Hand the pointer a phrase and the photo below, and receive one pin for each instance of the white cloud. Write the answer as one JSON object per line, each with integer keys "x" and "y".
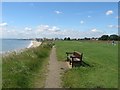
{"x": 77, "y": 34}
{"x": 110, "y": 26}
{"x": 49, "y": 32}
{"x": 94, "y": 30}
{"x": 58, "y": 12}
{"x": 47, "y": 29}
{"x": 113, "y": 26}
{"x": 109, "y": 12}
{"x": 81, "y": 22}
{"x": 3, "y": 24}
{"x": 42, "y": 28}
{"x": 28, "y": 29}
{"x": 2, "y": 28}
{"x": 95, "y": 33}
{"x": 9, "y": 33}
{"x": 54, "y": 29}
{"x": 89, "y": 16}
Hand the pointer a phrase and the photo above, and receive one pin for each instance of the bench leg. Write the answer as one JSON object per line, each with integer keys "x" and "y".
{"x": 67, "y": 59}
{"x": 70, "y": 62}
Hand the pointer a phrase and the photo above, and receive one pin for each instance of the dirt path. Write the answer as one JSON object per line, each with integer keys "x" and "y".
{"x": 53, "y": 77}
{"x": 55, "y": 70}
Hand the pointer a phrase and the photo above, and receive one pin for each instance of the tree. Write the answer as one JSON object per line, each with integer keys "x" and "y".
{"x": 65, "y": 38}
{"x": 104, "y": 37}
{"x": 68, "y": 38}
{"x": 114, "y": 37}
{"x": 86, "y": 38}
{"x": 119, "y": 37}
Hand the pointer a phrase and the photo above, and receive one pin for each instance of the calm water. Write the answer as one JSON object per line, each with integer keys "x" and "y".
{"x": 11, "y": 45}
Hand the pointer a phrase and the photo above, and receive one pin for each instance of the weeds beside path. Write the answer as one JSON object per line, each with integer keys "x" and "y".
{"x": 21, "y": 70}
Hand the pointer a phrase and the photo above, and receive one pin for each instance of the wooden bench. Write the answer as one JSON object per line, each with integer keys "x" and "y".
{"x": 74, "y": 58}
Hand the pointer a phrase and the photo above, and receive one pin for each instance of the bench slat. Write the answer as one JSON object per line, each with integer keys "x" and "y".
{"x": 74, "y": 57}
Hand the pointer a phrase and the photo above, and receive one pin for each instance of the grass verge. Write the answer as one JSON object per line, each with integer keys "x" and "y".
{"x": 20, "y": 70}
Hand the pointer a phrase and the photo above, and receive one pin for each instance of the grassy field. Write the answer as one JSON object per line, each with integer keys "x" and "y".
{"x": 21, "y": 70}
{"x": 102, "y": 58}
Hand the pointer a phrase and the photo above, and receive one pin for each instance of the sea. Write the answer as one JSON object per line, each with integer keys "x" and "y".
{"x": 8, "y": 45}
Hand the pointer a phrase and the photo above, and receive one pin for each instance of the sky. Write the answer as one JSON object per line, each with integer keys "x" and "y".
{"x": 58, "y": 19}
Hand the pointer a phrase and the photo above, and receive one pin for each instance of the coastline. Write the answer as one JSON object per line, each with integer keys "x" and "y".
{"x": 32, "y": 44}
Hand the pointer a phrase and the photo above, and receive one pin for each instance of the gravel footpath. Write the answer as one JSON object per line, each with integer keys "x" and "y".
{"x": 53, "y": 76}
{"x": 55, "y": 70}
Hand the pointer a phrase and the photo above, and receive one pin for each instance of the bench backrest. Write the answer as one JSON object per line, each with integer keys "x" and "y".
{"x": 77, "y": 54}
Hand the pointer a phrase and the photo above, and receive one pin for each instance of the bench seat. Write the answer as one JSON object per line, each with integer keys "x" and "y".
{"x": 74, "y": 57}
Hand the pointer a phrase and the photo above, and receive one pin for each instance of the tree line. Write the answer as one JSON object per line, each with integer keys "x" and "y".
{"x": 111, "y": 37}
{"x": 103, "y": 37}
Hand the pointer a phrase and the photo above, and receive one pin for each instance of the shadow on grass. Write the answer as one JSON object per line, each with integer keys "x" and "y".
{"x": 84, "y": 64}
{"x": 80, "y": 64}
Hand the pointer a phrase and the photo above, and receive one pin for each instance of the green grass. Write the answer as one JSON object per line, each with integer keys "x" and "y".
{"x": 102, "y": 58}
{"x": 19, "y": 71}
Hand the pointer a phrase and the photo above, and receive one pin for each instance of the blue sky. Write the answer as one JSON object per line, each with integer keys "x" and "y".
{"x": 60, "y": 19}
